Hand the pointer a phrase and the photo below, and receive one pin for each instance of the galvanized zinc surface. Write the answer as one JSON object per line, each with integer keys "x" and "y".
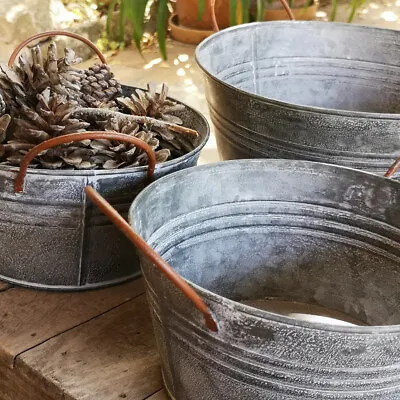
{"x": 53, "y": 238}
{"x": 292, "y": 230}
{"x": 305, "y": 90}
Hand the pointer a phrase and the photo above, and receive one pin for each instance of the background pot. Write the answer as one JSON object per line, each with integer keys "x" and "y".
{"x": 188, "y": 14}
{"x": 275, "y": 11}
{"x": 306, "y": 90}
{"x": 187, "y": 35}
{"x": 291, "y": 230}
{"x": 53, "y": 238}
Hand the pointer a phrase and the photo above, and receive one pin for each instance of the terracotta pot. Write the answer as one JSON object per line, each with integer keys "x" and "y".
{"x": 275, "y": 11}
{"x": 188, "y": 12}
{"x": 187, "y": 35}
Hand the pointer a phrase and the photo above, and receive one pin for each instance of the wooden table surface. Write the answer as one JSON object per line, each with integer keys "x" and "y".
{"x": 95, "y": 345}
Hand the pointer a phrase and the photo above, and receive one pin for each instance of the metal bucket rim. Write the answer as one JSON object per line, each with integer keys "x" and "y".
{"x": 246, "y": 309}
{"x": 285, "y": 104}
{"x": 267, "y": 315}
{"x": 124, "y": 171}
{"x": 288, "y": 164}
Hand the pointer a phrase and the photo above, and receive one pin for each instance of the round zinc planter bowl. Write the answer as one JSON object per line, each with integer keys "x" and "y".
{"x": 281, "y": 230}
{"x": 305, "y": 90}
{"x": 51, "y": 238}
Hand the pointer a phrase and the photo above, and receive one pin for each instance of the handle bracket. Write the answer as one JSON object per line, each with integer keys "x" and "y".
{"x": 77, "y": 137}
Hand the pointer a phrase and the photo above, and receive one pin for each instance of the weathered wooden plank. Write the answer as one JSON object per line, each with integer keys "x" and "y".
{"x": 28, "y": 317}
{"x": 161, "y": 395}
{"x": 16, "y": 386}
{"x": 4, "y": 286}
{"x": 111, "y": 357}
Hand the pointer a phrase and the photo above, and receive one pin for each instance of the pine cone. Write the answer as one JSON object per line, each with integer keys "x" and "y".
{"x": 50, "y": 118}
{"x": 12, "y": 88}
{"x": 22, "y": 83}
{"x": 5, "y": 120}
{"x": 126, "y": 155}
{"x": 95, "y": 87}
{"x": 157, "y": 105}
{"x": 99, "y": 87}
{"x": 41, "y": 96}
{"x": 3, "y": 105}
{"x": 107, "y": 154}
{"x": 153, "y": 104}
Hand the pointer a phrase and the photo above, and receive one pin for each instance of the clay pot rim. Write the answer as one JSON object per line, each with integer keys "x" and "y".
{"x": 285, "y": 104}
{"x": 174, "y": 22}
{"x": 122, "y": 171}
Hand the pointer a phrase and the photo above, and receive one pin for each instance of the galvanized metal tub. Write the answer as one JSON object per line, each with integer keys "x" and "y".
{"x": 305, "y": 90}
{"x": 291, "y": 230}
{"x": 51, "y": 238}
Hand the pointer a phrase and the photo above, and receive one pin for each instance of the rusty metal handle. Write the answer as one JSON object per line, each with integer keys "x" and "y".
{"x": 55, "y": 33}
{"x": 213, "y": 16}
{"x": 77, "y": 137}
{"x": 288, "y": 10}
{"x": 393, "y": 169}
{"x": 152, "y": 256}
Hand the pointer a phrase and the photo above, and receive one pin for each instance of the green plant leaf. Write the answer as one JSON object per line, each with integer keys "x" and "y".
{"x": 354, "y": 6}
{"x": 246, "y": 11}
{"x": 110, "y": 13}
{"x": 202, "y": 7}
{"x": 307, "y": 4}
{"x": 162, "y": 16}
{"x": 334, "y": 10}
{"x": 136, "y": 10}
{"x": 232, "y": 12}
{"x": 121, "y": 23}
{"x": 260, "y": 10}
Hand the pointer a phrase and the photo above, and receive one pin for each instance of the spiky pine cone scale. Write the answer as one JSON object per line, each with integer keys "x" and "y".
{"x": 99, "y": 87}
{"x": 153, "y": 104}
{"x": 126, "y": 155}
{"x": 50, "y": 118}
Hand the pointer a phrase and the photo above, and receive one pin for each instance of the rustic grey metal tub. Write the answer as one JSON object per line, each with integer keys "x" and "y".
{"x": 52, "y": 239}
{"x": 289, "y": 230}
{"x": 305, "y": 90}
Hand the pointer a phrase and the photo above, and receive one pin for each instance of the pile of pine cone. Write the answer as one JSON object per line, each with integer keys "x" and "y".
{"x": 47, "y": 97}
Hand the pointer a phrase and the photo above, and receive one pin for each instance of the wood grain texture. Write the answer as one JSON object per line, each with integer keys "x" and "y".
{"x": 17, "y": 386}
{"x": 111, "y": 357}
{"x": 28, "y": 317}
{"x": 4, "y": 286}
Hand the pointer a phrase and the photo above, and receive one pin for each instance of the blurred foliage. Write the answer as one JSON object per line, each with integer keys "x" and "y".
{"x": 137, "y": 20}
{"x": 83, "y": 10}
{"x": 142, "y": 20}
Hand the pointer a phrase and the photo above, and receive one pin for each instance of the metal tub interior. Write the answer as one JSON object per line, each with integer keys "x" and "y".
{"x": 291, "y": 230}
{"x": 305, "y": 90}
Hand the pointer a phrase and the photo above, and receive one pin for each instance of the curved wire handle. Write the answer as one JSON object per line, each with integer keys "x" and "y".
{"x": 288, "y": 10}
{"x": 214, "y": 17}
{"x": 55, "y": 33}
{"x": 152, "y": 256}
{"x": 393, "y": 169}
{"x": 77, "y": 137}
